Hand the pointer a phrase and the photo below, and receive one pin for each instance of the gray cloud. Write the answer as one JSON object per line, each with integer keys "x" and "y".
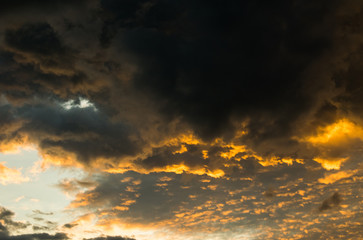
{"x": 38, "y": 212}
{"x": 68, "y": 225}
{"x": 331, "y": 202}
{"x": 10, "y": 226}
{"x": 110, "y": 238}
{"x": 37, "y": 236}
{"x": 84, "y": 132}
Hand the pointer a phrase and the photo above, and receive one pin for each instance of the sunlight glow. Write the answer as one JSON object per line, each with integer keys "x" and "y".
{"x": 81, "y": 103}
{"x": 336, "y": 132}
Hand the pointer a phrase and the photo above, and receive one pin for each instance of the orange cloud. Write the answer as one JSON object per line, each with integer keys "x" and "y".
{"x": 13, "y": 145}
{"x": 175, "y": 168}
{"x": 338, "y": 132}
{"x": 82, "y": 199}
{"x": 334, "y": 142}
{"x": 332, "y": 178}
{"x": 10, "y": 175}
{"x": 330, "y": 163}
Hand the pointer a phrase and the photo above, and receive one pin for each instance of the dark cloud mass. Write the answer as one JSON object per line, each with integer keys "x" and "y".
{"x": 35, "y": 38}
{"x": 206, "y": 64}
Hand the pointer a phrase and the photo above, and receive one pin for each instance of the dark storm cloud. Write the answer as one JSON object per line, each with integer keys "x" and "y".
{"x": 156, "y": 69}
{"x": 91, "y": 135}
{"x": 38, "y": 44}
{"x": 9, "y": 7}
{"x": 35, "y": 38}
{"x": 21, "y": 83}
{"x": 37, "y": 67}
{"x": 282, "y": 68}
{"x": 82, "y": 131}
{"x": 234, "y": 57}
{"x": 351, "y": 81}
{"x": 37, "y": 63}
{"x": 213, "y": 64}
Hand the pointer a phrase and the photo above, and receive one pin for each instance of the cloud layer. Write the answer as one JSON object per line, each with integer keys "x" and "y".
{"x": 246, "y": 92}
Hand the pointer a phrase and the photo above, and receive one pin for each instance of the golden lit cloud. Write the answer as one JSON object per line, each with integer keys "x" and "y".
{"x": 335, "y": 143}
{"x": 58, "y": 157}
{"x": 12, "y": 145}
{"x": 10, "y": 175}
{"x": 333, "y": 177}
{"x": 274, "y": 160}
{"x": 336, "y": 133}
{"x": 82, "y": 199}
{"x": 331, "y": 163}
{"x": 181, "y": 168}
{"x": 233, "y": 150}
{"x": 174, "y": 168}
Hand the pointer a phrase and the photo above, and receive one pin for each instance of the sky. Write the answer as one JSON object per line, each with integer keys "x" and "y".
{"x": 181, "y": 120}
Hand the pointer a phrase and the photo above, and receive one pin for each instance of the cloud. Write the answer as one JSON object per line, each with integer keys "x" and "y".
{"x": 42, "y": 5}
{"x": 269, "y": 193}
{"x": 75, "y": 186}
{"x": 39, "y": 45}
{"x": 11, "y": 176}
{"x": 37, "y": 236}
{"x": 221, "y": 99}
{"x": 74, "y": 131}
{"x": 331, "y": 202}
{"x": 19, "y": 198}
{"x": 8, "y": 225}
{"x": 38, "y": 212}
{"x": 331, "y": 178}
{"x": 189, "y": 205}
{"x": 68, "y": 225}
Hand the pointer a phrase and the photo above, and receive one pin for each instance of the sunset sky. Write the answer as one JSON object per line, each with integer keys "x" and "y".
{"x": 181, "y": 120}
